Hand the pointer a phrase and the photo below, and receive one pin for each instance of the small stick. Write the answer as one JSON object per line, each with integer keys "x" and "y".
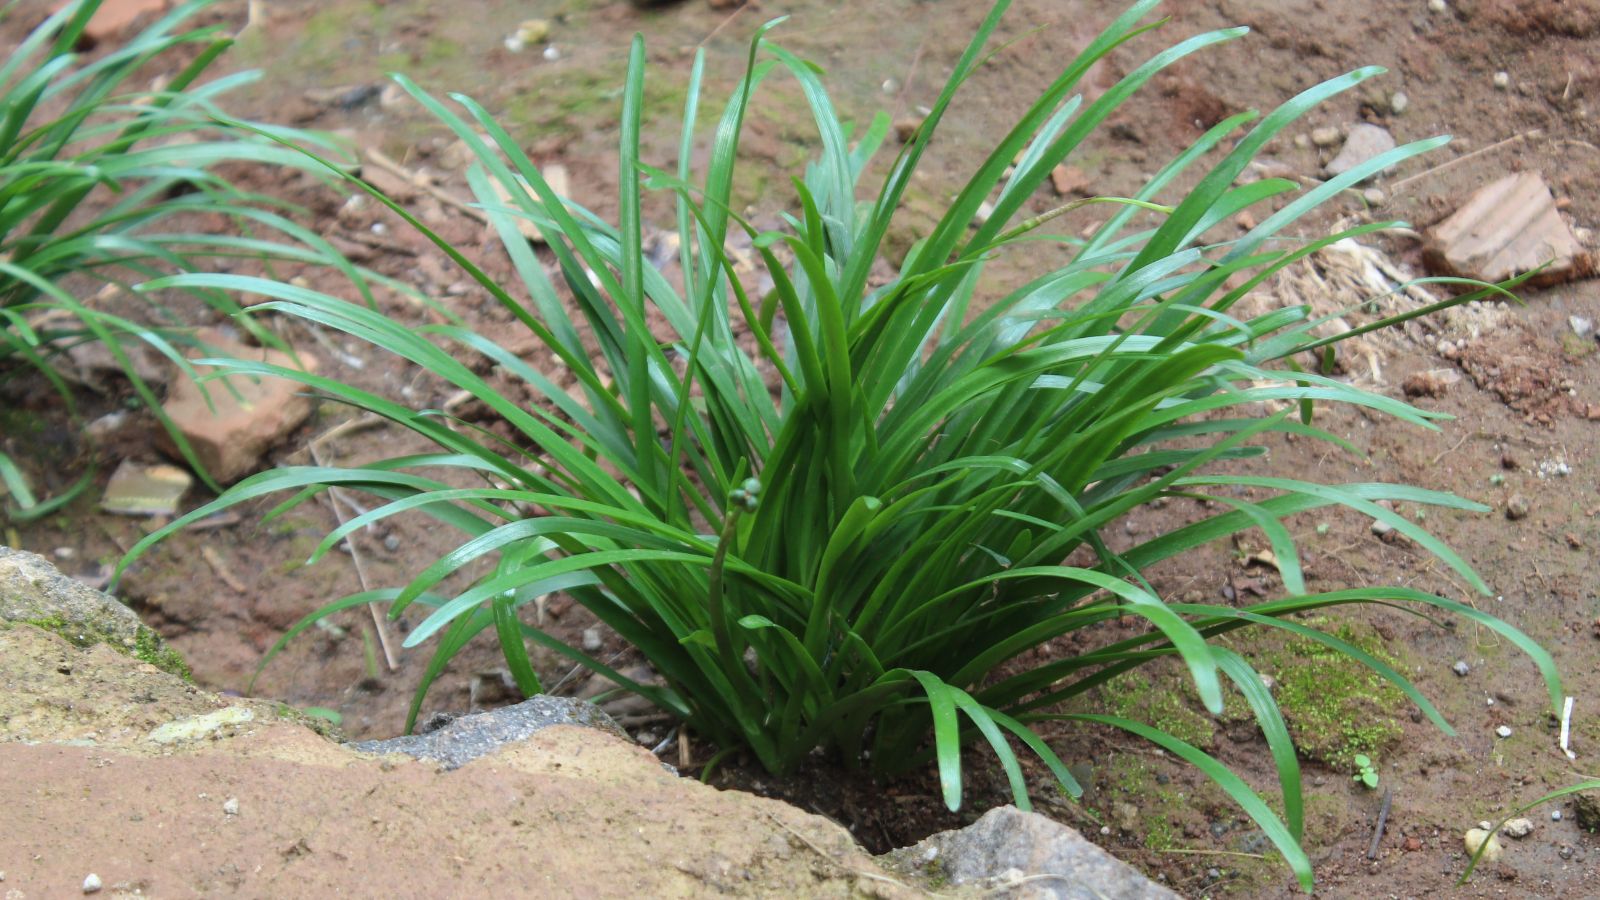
{"x": 1395, "y": 188}
{"x": 382, "y": 161}
{"x": 1383, "y": 819}
{"x": 378, "y": 624}
{"x": 212, "y": 523}
{"x": 220, "y": 566}
{"x": 1453, "y": 449}
{"x": 731, "y": 16}
{"x": 1204, "y": 852}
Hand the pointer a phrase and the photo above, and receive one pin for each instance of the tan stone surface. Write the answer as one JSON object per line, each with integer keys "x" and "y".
{"x": 570, "y": 812}
{"x": 231, "y": 432}
{"x": 1505, "y": 229}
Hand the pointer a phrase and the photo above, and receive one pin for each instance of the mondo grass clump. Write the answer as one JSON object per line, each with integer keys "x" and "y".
{"x": 860, "y": 552}
{"x": 106, "y": 177}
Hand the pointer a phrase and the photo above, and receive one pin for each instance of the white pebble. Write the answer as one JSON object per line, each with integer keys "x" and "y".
{"x": 551, "y": 54}
{"x": 91, "y": 884}
{"x": 1398, "y": 102}
{"x": 1503, "y": 731}
{"x": 1373, "y": 196}
{"x": 1517, "y": 828}
{"x": 230, "y": 806}
{"x": 592, "y": 640}
{"x": 1437, "y": 6}
{"x": 1555, "y": 815}
{"x": 1502, "y": 80}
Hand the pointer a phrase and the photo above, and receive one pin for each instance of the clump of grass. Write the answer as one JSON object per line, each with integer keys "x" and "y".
{"x": 108, "y": 184}
{"x": 861, "y": 552}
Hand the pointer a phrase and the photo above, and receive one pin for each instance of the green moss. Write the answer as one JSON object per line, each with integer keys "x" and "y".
{"x": 148, "y": 646}
{"x": 1335, "y": 706}
{"x": 1162, "y": 806}
{"x": 145, "y": 646}
{"x": 1160, "y": 704}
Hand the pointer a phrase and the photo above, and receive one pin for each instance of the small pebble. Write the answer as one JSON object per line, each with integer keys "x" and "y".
{"x": 1485, "y": 825}
{"x": 551, "y": 54}
{"x": 230, "y": 806}
{"x": 1567, "y": 853}
{"x": 391, "y": 543}
{"x": 1213, "y": 874}
{"x": 1555, "y": 815}
{"x": 1398, "y": 102}
{"x": 65, "y": 553}
{"x": 591, "y": 640}
{"x": 1517, "y": 507}
{"x": 1326, "y": 136}
{"x": 91, "y": 884}
{"x": 1381, "y": 528}
{"x": 1517, "y": 828}
{"x": 1461, "y": 668}
{"x": 1105, "y": 830}
{"x": 1438, "y": 6}
{"x": 1502, "y": 80}
{"x": 1503, "y": 731}
{"x": 1374, "y": 196}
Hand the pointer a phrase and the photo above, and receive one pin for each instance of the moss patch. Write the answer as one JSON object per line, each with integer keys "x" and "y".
{"x": 1335, "y": 706}
{"x": 146, "y": 645}
{"x": 1135, "y": 696}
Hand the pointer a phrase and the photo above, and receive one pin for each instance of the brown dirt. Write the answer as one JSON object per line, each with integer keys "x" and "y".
{"x": 1527, "y": 402}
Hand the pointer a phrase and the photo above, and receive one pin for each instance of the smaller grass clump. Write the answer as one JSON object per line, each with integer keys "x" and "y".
{"x": 103, "y": 184}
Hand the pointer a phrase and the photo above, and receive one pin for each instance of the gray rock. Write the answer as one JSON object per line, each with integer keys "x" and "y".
{"x": 1364, "y": 142}
{"x": 467, "y": 738}
{"x": 1008, "y": 841}
{"x": 34, "y": 591}
{"x": 1461, "y": 668}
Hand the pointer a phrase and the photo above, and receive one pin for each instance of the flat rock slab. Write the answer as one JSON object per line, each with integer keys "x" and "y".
{"x": 1506, "y": 229}
{"x": 471, "y": 737}
{"x": 231, "y": 422}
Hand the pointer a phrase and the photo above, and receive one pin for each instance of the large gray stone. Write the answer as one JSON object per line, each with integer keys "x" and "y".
{"x": 463, "y": 740}
{"x": 1008, "y": 851}
{"x": 34, "y": 592}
